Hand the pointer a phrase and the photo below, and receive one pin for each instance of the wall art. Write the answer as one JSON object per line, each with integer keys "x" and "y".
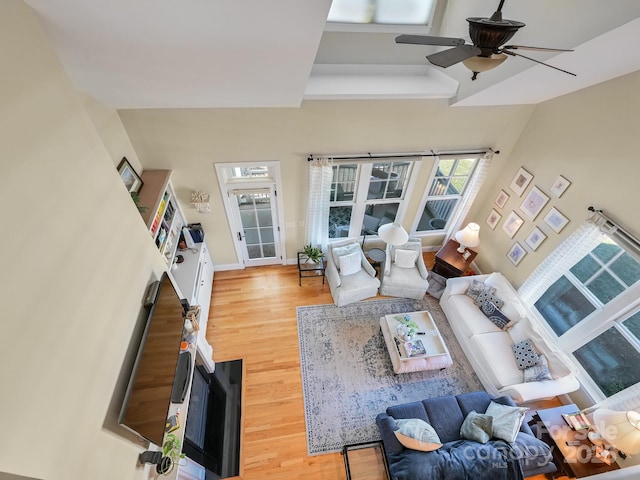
{"x": 501, "y": 199}
{"x": 556, "y": 220}
{"x": 520, "y": 182}
{"x": 533, "y": 203}
{"x": 512, "y": 224}
{"x": 535, "y": 238}
{"x": 516, "y": 254}
{"x": 559, "y": 186}
{"x": 493, "y": 218}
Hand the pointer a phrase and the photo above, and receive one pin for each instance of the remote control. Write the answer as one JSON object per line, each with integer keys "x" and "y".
{"x": 573, "y": 443}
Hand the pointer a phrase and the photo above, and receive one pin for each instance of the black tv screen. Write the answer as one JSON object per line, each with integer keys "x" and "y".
{"x": 148, "y": 396}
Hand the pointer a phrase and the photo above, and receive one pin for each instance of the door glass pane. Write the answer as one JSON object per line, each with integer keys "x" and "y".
{"x": 257, "y": 223}
{"x": 251, "y": 236}
{"x": 611, "y": 361}
{"x": 605, "y": 287}
{"x": 633, "y": 324}
{"x": 627, "y": 269}
{"x": 339, "y": 221}
{"x": 266, "y": 235}
{"x": 248, "y": 218}
{"x": 563, "y": 306}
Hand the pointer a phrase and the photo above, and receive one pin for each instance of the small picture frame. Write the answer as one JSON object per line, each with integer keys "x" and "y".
{"x": 520, "y": 182}
{"x": 512, "y": 224}
{"x": 501, "y": 199}
{"x": 556, "y": 220}
{"x": 559, "y": 186}
{"x": 130, "y": 178}
{"x": 516, "y": 253}
{"x": 533, "y": 203}
{"x": 493, "y": 219}
{"x": 535, "y": 238}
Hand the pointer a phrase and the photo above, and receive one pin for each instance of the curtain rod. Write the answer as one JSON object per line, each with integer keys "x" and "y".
{"x": 430, "y": 153}
{"x": 622, "y": 233}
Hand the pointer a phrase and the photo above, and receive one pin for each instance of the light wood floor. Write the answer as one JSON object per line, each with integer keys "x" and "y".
{"x": 253, "y": 317}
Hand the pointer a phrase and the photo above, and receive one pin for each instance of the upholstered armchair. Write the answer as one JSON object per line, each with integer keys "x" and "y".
{"x": 404, "y": 273}
{"x": 351, "y": 277}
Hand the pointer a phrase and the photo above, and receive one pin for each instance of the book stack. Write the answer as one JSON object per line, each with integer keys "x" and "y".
{"x": 577, "y": 420}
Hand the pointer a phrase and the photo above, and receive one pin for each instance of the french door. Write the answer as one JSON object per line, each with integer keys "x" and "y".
{"x": 257, "y": 231}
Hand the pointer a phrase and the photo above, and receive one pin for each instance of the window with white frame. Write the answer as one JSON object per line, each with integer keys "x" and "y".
{"x": 394, "y": 12}
{"x": 447, "y": 188}
{"x": 367, "y": 195}
{"x": 594, "y": 310}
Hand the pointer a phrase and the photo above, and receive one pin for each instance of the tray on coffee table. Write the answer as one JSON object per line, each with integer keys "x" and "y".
{"x": 428, "y": 335}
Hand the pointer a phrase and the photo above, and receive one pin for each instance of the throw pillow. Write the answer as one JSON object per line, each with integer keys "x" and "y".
{"x": 476, "y": 288}
{"x": 477, "y": 427}
{"x": 344, "y": 250}
{"x": 488, "y": 296}
{"x": 538, "y": 372}
{"x": 417, "y": 434}
{"x": 525, "y": 354}
{"x": 506, "y": 420}
{"x": 494, "y": 314}
{"x": 350, "y": 264}
{"x": 405, "y": 258}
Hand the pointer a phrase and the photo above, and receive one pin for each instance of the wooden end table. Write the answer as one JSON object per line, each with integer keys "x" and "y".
{"x": 450, "y": 263}
{"x": 574, "y": 460}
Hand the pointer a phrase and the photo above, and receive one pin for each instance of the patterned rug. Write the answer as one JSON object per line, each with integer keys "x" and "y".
{"x": 347, "y": 376}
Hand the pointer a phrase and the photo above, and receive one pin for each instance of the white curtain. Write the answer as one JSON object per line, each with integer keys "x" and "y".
{"x": 576, "y": 246}
{"x": 317, "y": 221}
{"x": 479, "y": 176}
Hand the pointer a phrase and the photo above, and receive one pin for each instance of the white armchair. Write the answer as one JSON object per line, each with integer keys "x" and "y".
{"x": 351, "y": 277}
{"x": 404, "y": 273}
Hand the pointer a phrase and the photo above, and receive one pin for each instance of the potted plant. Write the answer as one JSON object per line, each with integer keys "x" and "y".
{"x": 313, "y": 254}
{"x": 171, "y": 453}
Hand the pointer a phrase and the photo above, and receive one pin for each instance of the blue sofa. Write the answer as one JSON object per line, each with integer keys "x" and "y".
{"x": 459, "y": 458}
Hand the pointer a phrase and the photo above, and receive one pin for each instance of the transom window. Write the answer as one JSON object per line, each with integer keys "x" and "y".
{"x": 395, "y": 12}
{"x": 594, "y": 312}
{"x": 365, "y": 196}
{"x": 446, "y": 191}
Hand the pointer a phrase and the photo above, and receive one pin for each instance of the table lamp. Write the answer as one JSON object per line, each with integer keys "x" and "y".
{"x": 469, "y": 236}
{"x": 620, "y": 429}
{"x": 393, "y": 234}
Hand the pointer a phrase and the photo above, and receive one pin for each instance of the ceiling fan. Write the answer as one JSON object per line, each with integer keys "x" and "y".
{"x": 487, "y": 51}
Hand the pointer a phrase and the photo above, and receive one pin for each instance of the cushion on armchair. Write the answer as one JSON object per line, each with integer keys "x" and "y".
{"x": 405, "y": 258}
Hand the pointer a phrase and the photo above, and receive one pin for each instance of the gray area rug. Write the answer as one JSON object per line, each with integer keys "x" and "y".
{"x": 347, "y": 376}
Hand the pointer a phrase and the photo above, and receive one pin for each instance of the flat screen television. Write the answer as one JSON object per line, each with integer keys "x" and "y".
{"x": 148, "y": 397}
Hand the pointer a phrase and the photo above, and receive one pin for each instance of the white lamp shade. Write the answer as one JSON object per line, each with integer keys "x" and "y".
{"x": 620, "y": 429}
{"x": 393, "y": 234}
{"x": 469, "y": 236}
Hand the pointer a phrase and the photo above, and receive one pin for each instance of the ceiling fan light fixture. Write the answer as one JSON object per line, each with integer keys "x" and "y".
{"x": 480, "y": 64}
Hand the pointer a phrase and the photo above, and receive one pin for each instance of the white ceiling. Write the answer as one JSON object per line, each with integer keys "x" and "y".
{"x": 253, "y": 53}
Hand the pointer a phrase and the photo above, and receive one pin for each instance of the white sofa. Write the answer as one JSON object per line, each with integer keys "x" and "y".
{"x": 489, "y": 348}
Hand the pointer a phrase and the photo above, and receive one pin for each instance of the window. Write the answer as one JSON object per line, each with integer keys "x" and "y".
{"x": 593, "y": 310}
{"x": 395, "y": 12}
{"x": 367, "y": 195}
{"x": 447, "y": 189}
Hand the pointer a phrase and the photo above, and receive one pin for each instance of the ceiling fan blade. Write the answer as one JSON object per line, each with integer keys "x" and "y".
{"x": 536, "y": 49}
{"x": 446, "y": 58}
{"x": 513, "y": 54}
{"x": 428, "y": 40}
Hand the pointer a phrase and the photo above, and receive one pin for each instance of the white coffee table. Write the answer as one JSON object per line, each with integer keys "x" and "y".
{"x": 437, "y": 354}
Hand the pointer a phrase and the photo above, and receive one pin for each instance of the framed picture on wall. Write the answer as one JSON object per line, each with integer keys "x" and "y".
{"x": 493, "y": 218}
{"x": 516, "y": 254}
{"x": 501, "y": 199}
{"x": 535, "y": 238}
{"x": 556, "y": 220}
{"x": 512, "y": 224}
{"x": 521, "y": 181}
{"x": 533, "y": 203}
{"x": 559, "y": 186}
{"x": 130, "y": 178}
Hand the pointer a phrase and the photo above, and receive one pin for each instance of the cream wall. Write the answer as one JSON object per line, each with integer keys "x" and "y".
{"x": 77, "y": 262}
{"x": 591, "y": 138}
{"x": 191, "y": 141}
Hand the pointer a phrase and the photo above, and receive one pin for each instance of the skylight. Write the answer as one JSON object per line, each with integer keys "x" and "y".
{"x": 384, "y": 12}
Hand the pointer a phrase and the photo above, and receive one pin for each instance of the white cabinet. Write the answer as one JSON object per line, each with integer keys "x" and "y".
{"x": 194, "y": 278}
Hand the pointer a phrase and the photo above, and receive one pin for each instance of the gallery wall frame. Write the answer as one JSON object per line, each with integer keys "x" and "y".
{"x": 520, "y": 182}
{"x": 493, "y": 219}
{"x": 533, "y": 203}
{"x": 556, "y": 220}
{"x": 129, "y": 176}
{"x": 535, "y": 238}
{"x": 512, "y": 224}
{"x": 501, "y": 199}
{"x": 516, "y": 253}
{"x": 560, "y": 186}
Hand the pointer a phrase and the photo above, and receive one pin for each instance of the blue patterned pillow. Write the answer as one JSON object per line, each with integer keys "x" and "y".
{"x": 525, "y": 354}
{"x": 493, "y": 313}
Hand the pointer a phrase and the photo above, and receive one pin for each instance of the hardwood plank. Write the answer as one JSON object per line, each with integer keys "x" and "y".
{"x": 253, "y": 317}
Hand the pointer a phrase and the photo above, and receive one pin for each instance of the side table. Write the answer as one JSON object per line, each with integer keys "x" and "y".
{"x": 367, "y": 461}
{"x": 306, "y": 270}
{"x": 574, "y": 460}
{"x": 449, "y": 262}
{"x": 376, "y": 256}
